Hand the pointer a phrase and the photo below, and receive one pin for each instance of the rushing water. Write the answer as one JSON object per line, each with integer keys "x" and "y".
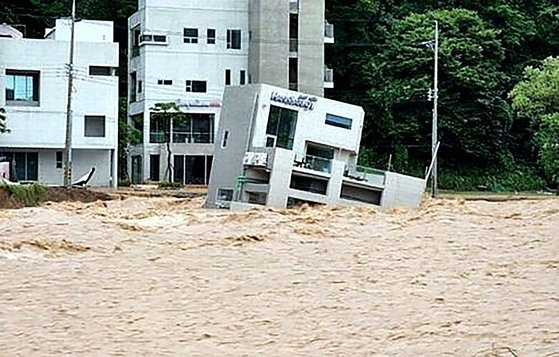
{"x": 163, "y": 277}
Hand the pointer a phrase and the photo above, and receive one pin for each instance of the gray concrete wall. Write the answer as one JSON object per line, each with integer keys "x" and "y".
{"x": 236, "y": 117}
{"x": 280, "y": 177}
{"x": 311, "y": 46}
{"x": 269, "y": 42}
{"x": 402, "y": 191}
{"x": 269, "y": 45}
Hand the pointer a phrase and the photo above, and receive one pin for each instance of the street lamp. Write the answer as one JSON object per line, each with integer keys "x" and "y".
{"x": 434, "y": 96}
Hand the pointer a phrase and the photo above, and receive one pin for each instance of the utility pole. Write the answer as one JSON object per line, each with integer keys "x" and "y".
{"x": 434, "y": 134}
{"x": 68, "y": 143}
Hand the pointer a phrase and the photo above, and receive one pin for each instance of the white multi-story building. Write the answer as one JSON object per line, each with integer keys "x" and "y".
{"x": 33, "y": 90}
{"x": 187, "y": 51}
{"x": 278, "y": 147}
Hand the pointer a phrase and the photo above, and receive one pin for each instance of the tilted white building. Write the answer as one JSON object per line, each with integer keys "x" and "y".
{"x": 187, "y": 51}
{"x": 278, "y": 147}
{"x": 33, "y": 90}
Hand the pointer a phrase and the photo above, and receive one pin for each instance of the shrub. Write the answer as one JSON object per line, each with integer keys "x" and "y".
{"x": 166, "y": 185}
{"x": 29, "y": 195}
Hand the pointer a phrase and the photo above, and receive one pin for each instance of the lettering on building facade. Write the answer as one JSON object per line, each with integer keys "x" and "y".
{"x": 302, "y": 101}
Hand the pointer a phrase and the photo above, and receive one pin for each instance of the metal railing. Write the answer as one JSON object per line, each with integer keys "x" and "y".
{"x": 188, "y": 137}
{"x": 328, "y": 30}
{"x": 315, "y": 163}
{"x": 362, "y": 173}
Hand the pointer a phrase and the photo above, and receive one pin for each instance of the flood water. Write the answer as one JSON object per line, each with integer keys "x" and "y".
{"x": 164, "y": 277}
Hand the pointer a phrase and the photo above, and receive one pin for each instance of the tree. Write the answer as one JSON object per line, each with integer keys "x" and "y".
{"x": 3, "y": 128}
{"x": 166, "y": 114}
{"x": 536, "y": 98}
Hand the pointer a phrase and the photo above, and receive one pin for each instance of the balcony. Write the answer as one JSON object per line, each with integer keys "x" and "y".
{"x": 188, "y": 137}
{"x": 367, "y": 175}
{"x": 328, "y": 77}
{"x": 314, "y": 163}
{"x": 328, "y": 32}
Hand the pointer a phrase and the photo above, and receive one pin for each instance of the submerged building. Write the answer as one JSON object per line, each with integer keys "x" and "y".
{"x": 185, "y": 52}
{"x": 33, "y": 91}
{"x": 278, "y": 147}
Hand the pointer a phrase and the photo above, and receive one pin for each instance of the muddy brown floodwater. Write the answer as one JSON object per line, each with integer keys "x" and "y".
{"x": 163, "y": 277}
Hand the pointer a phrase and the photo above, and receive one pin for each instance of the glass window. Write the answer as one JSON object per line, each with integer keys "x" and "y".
{"x": 159, "y": 127}
{"x": 340, "y": 122}
{"x": 234, "y": 39}
{"x": 227, "y": 77}
{"x": 59, "y": 159}
{"x": 225, "y": 138}
{"x": 196, "y": 86}
{"x": 191, "y": 35}
{"x": 22, "y": 86}
{"x": 100, "y": 71}
{"x": 211, "y": 36}
{"x": 94, "y": 126}
{"x": 282, "y": 123}
{"x": 242, "y": 77}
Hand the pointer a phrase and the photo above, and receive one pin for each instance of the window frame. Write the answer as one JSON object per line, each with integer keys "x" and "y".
{"x": 191, "y": 38}
{"x": 190, "y": 86}
{"x": 336, "y": 122}
{"x": 232, "y": 40}
{"x": 94, "y": 117}
{"x": 35, "y": 92}
{"x": 210, "y": 38}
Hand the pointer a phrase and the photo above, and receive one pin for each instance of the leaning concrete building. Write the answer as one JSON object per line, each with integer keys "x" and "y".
{"x": 187, "y": 51}
{"x": 278, "y": 147}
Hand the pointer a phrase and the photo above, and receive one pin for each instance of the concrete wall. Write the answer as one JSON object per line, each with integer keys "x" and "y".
{"x": 236, "y": 118}
{"x": 311, "y": 123}
{"x": 402, "y": 191}
{"x": 85, "y": 31}
{"x": 311, "y": 46}
{"x": 269, "y": 46}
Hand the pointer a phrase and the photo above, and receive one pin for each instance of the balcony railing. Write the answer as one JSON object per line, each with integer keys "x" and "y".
{"x": 315, "y": 163}
{"x": 181, "y": 137}
{"x": 367, "y": 174}
{"x": 328, "y": 32}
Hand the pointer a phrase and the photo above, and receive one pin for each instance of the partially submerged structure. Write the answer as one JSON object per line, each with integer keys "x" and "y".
{"x": 278, "y": 147}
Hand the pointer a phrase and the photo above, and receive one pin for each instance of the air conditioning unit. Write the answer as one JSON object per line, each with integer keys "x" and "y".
{"x": 259, "y": 159}
{"x": 247, "y": 160}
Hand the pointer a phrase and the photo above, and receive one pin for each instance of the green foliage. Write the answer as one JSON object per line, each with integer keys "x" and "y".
{"x": 536, "y": 98}
{"x": 30, "y": 195}
{"x": 167, "y": 185}
{"x": 3, "y": 128}
{"x": 124, "y": 183}
{"x": 521, "y": 179}
{"x": 127, "y": 135}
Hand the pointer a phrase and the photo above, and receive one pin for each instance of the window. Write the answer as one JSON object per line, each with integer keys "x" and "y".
{"x": 140, "y": 86}
{"x": 234, "y": 39}
{"x": 340, "y": 122}
{"x": 22, "y": 87}
{"x": 26, "y": 166}
{"x": 191, "y": 35}
{"x": 59, "y": 159}
{"x": 196, "y": 86}
{"x": 211, "y": 36}
{"x": 94, "y": 126}
{"x": 153, "y": 38}
{"x": 224, "y": 139}
{"x": 227, "y": 77}
{"x": 100, "y": 71}
{"x": 194, "y": 128}
{"x": 224, "y": 194}
{"x": 281, "y": 124}
{"x": 242, "y": 77}
{"x": 293, "y": 73}
{"x": 133, "y": 85}
{"x": 165, "y": 82}
{"x": 159, "y": 127}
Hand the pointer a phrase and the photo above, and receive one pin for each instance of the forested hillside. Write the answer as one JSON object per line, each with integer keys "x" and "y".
{"x": 498, "y": 103}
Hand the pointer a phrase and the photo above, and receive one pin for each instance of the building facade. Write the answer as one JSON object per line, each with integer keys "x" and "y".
{"x": 278, "y": 147}
{"x": 182, "y": 54}
{"x": 33, "y": 91}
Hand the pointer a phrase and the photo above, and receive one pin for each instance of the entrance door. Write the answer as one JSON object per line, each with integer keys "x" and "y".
{"x": 192, "y": 169}
{"x": 137, "y": 169}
